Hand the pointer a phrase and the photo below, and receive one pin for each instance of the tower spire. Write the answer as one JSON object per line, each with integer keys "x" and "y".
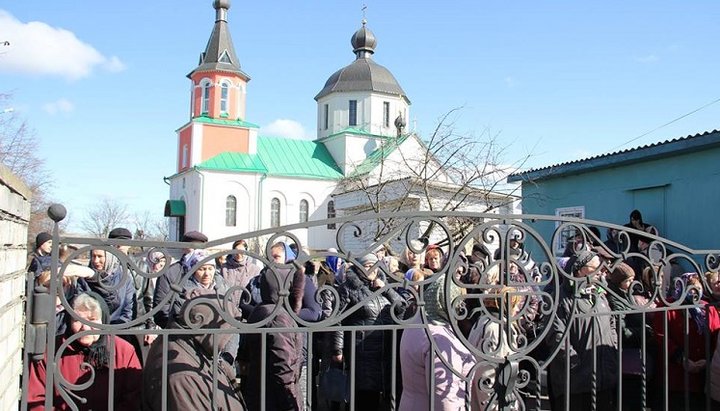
{"x": 220, "y": 53}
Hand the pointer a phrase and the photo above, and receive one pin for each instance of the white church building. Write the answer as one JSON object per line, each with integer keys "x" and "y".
{"x": 230, "y": 179}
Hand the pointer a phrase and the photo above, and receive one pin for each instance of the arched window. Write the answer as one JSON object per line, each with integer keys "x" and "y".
{"x": 331, "y": 214}
{"x": 224, "y": 98}
{"x": 303, "y": 211}
{"x": 275, "y": 212}
{"x": 205, "y": 98}
{"x": 230, "y": 211}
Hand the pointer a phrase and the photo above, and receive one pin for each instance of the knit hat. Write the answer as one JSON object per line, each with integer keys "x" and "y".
{"x": 42, "y": 238}
{"x": 120, "y": 233}
{"x": 621, "y": 273}
{"x": 194, "y": 237}
{"x": 368, "y": 259}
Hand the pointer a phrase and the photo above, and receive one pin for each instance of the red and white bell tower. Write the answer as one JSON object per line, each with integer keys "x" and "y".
{"x": 217, "y": 104}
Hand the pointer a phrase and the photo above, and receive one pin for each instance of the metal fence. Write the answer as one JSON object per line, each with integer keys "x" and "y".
{"x": 511, "y": 319}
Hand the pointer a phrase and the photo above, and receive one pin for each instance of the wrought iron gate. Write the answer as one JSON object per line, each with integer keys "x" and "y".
{"x": 547, "y": 332}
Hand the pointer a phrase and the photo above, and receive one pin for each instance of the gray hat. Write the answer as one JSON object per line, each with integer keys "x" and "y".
{"x": 368, "y": 259}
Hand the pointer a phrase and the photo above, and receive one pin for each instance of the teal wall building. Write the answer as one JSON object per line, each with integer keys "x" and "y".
{"x": 675, "y": 184}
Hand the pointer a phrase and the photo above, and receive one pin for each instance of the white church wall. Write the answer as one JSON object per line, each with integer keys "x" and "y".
{"x": 291, "y": 191}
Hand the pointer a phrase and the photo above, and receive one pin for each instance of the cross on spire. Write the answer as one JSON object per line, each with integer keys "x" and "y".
{"x": 364, "y": 20}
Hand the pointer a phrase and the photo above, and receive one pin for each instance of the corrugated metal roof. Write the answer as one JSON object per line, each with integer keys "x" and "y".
{"x": 297, "y": 158}
{"x": 224, "y": 122}
{"x": 642, "y": 153}
{"x": 281, "y": 157}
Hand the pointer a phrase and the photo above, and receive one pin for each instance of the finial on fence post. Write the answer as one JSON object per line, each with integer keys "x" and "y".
{"x": 57, "y": 212}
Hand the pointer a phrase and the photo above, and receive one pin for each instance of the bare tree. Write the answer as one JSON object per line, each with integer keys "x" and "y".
{"x": 149, "y": 227}
{"x": 19, "y": 153}
{"x": 450, "y": 171}
{"x": 104, "y": 216}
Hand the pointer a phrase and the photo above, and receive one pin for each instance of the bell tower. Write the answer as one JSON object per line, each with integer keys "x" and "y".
{"x": 217, "y": 101}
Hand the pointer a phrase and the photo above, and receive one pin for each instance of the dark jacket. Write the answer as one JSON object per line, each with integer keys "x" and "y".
{"x": 238, "y": 273}
{"x": 592, "y": 331}
{"x": 172, "y": 276}
{"x": 39, "y": 263}
{"x": 373, "y": 349}
{"x": 283, "y": 361}
{"x": 190, "y": 363}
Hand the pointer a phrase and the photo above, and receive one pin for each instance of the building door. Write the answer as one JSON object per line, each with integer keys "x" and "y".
{"x": 651, "y": 203}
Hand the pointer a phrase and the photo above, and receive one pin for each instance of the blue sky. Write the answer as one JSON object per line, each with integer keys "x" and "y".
{"x": 104, "y": 86}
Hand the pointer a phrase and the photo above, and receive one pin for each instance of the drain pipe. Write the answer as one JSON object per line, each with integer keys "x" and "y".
{"x": 202, "y": 199}
{"x": 258, "y": 206}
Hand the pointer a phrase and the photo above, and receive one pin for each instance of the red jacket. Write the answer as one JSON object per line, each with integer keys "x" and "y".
{"x": 128, "y": 379}
{"x": 695, "y": 349}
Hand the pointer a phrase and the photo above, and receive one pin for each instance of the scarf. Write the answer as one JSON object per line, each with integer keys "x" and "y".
{"x": 96, "y": 354}
{"x": 697, "y": 313}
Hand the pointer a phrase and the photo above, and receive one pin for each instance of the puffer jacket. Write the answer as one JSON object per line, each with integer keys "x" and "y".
{"x": 238, "y": 273}
{"x": 373, "y": 350}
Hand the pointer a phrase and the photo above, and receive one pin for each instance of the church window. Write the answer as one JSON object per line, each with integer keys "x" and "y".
{"x": 185, "y": 156}
{"x": 230, "y": 211}
{"x": 224, "y": 90}
{"x": 206, "y": 98}
{"x": 275, "y": 212}
{"x": 331, "y": 214}
{"x": 303, "y": 211}
{"x": 352, "y": 113}
{"x": 326, "y": 115}
{"x": 386, "y": 114}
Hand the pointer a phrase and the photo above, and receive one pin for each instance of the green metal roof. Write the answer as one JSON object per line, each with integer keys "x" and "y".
{"x": 224, "y": 122}
{"x": 282, "y": 157}
{"x": 376, "y": 157}
{"x": 234, "y": 162}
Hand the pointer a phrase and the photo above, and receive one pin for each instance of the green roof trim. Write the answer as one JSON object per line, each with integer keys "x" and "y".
{"x": 174, "y": 208}
{"x": 234, "y": 162}
{"x": 356, "y": 131}
{"x": 376, "y": 157}
{"x": 224, "y": 122}
{"x": 280, "y": 157}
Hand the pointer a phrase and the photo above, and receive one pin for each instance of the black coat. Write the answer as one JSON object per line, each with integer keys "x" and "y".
{"x": 373, "y": 349}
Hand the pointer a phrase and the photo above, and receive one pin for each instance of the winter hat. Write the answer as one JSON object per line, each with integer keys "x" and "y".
{"x": 42, "y": 238}
{"x": 194, "y": 237}
{"x": 368, "y": 259}
{"x": 120, "y": 233}
{"x": 621, "y": 273}
{"x": 195, "y": 256}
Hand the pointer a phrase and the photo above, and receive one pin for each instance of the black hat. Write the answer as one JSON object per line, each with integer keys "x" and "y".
{"x": 120, "y": 233}
{"x": 194, "y": 237}
{"x": 42, "y": 238}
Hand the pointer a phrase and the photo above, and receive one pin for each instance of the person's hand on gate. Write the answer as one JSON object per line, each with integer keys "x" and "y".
{"x": 149, "y": 338}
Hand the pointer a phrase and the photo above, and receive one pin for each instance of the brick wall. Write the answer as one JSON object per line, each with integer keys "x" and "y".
{"x": 14, "y": 217}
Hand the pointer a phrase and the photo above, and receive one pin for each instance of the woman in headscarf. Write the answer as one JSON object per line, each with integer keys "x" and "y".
{"x": 419, "y": 362}
{"x": 114, "y": 284}
{"x": 692, "y": 321}
{"x": 191, "y": 381}
{"x": 491, "y": 337}
{"x": 87, "y": 357}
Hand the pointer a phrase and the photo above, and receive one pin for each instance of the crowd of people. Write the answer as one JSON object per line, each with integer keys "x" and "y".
{"x": 233, "y": 359}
